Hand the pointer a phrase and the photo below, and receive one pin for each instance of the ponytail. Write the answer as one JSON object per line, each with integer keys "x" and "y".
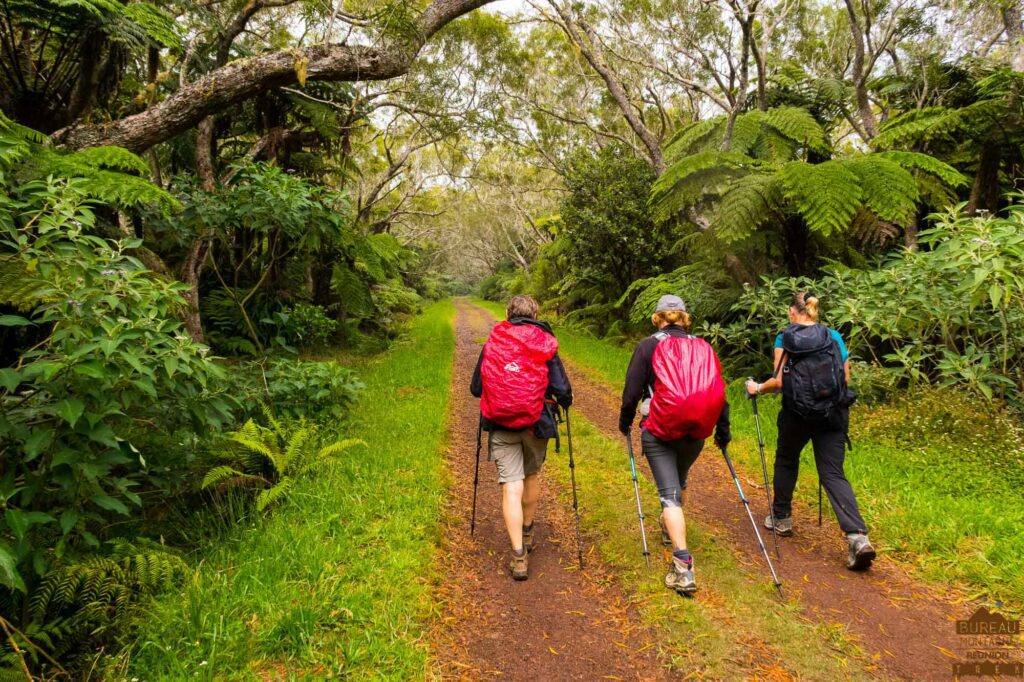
{"x": 806, "y": 303}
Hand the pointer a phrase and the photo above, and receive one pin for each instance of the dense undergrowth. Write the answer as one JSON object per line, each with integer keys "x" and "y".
{"x": 937, "y": 471}
{"x": 322, "y": 587}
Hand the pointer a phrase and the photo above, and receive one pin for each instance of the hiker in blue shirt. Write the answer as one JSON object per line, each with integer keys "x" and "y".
{"x": 812, "y": 369}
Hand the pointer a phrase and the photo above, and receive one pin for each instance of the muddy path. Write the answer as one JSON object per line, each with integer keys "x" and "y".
{"x": 560, "y": 624}
{"x": 906, "y": 629}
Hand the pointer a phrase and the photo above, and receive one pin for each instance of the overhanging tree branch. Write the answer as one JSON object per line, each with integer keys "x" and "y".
{"x": 245, "y": 78}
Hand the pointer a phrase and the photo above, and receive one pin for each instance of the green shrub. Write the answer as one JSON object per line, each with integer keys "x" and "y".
{"x": 114, "y": 366}
{"x": 310, "y": 389}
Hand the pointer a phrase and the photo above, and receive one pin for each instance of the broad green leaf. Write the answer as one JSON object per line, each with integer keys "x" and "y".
{"x": 70, "y": 409}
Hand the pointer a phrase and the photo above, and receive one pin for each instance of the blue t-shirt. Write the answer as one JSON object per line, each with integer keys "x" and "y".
{"x": 835, "y": 336}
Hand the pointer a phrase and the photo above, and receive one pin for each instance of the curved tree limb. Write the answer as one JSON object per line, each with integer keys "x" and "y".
{"x": 245, "y": 78}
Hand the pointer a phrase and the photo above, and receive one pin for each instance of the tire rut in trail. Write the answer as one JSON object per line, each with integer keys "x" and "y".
{"x": 560, "y": 624}
{"x": 903, "y": 625}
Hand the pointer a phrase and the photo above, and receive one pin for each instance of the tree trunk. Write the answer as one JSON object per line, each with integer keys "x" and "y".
{"x": 985, "y": 190}
{"x": 588, "y": 48}
{"x": 860, "y": 79}
{"x": 191, "y": 271}
{"x": 1014, "y": 34}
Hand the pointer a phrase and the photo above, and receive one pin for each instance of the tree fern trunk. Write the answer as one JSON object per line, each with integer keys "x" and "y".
{"x": 985, "y": 190}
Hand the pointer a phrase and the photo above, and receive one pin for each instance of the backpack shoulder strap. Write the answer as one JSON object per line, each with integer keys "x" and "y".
{"x": 782, "y": 363}
{"x": 661, "y": 336}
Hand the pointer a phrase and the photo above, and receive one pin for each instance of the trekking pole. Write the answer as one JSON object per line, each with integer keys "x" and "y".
{"x": 753, "y": 524}
{"x": 639, "y": 507}
{"x": 764, "y": 468}
{"x": 819, "y": 503}
{"x": 476, "y": 475}
{"x": 572, "y": 476}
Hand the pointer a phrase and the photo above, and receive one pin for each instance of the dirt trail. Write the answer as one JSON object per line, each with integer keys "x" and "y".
{"x": 908, "y": 631}
{"x": 561, "y": 624}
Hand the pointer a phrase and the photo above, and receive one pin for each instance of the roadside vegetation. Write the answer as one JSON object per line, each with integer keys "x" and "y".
{"x": 322, "y": 587}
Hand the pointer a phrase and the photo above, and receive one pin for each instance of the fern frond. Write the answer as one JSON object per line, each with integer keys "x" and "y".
{"x": 110, "y": 158}
{"x": 692, "y": 178}
{"x": 748, "y": 203}
{"x": 827, "y": 195}
{"x": 273, "y": 495}
{"x": 887, "y": 189}
{"x": 220, "y": 474}
{"x": 747, "y": 131}
{"x": 355, "y": 295}
{"x": 697, "y": 137}
{"x": 917, "y": 126}
{"x": 797, "y": 124}
{"x": 337, "y": 447}
{"x": 927, "y": 164}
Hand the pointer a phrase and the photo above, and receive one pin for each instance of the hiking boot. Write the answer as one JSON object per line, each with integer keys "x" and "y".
{"x": 519, "y": 566}
{"x": 680, "y": 578}
{"x": 528, "y": 538}
{"x": 861, "y": 552}
{"x": 783, "y": 527}
{"x": 665, "y": 539}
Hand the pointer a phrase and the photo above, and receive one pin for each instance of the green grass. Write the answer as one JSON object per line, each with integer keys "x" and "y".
{"x": 325, "y": 585}
{"x": 938, "y": 476}
{"x": 737, "y": 627}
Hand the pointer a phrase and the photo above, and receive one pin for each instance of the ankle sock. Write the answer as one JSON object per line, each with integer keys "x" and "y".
{"x": 519, "y": 552}
{"x": 683, "y": 556}
{"x": 528, "y": 528}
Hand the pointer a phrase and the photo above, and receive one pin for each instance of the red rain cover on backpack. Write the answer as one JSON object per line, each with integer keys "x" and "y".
{"x": 689, "y": 391}
{"x": 515, "y": 374}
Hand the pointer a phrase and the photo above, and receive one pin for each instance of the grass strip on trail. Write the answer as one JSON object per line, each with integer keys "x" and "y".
{"x": 326, "y": 585}
{"x": 735, "y": 628}
{"x": 938, "y": 479}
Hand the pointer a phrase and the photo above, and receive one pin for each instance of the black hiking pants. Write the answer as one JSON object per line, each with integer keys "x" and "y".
{"x": 829, "y": 441}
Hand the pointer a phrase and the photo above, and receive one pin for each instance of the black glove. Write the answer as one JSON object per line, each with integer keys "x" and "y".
{"x": 624, "y": 428}
{"x": 722, "y": 438}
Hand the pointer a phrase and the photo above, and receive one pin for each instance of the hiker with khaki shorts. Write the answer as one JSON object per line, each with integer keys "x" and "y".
{"x": 520, "y": 381}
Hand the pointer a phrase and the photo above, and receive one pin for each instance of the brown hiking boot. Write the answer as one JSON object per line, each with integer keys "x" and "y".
{"x": 680, "y": 578}
{"x": 519, "y": 566}
{"x": 528, "y": 538}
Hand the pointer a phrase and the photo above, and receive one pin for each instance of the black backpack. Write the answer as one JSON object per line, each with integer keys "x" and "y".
{"x": 815, "y": 378}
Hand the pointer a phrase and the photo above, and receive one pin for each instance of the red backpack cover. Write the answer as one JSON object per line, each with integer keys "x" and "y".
{"x": 514, "y": 372}
{"x": 689, "y": 391}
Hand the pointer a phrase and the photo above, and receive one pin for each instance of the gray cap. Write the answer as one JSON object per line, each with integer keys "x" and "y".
{"x": 670, "y": 302}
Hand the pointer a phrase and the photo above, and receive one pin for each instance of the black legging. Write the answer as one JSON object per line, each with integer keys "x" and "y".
{"x": 670, "y": 463}
{"x": 829, "y": 442}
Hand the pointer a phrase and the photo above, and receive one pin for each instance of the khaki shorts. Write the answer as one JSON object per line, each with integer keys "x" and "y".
{"x": 517, "y": 454}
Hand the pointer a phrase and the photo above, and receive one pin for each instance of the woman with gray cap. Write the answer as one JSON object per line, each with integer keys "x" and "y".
{"x": 678, "y": 378}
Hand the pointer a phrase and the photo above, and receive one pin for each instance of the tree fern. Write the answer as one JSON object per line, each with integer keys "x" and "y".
{"x": 827, "y": 195}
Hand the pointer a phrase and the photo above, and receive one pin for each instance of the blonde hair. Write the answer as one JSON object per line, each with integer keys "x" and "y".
{"x": 806, "y": 303}
{"x": 680, "y": 317}
{"x": 522, "y": 305}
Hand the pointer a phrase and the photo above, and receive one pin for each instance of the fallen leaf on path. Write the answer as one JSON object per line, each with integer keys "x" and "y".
{"x": 946, "y": 652}
{"x": 552, "y": 650}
